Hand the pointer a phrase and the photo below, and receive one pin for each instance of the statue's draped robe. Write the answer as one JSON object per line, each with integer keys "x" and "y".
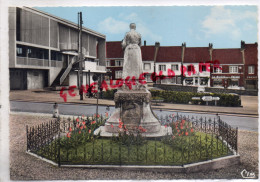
{"x": 133, "y": 65}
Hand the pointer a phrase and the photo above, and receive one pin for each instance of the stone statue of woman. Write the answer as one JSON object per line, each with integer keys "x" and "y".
{"x": 133, "y": 65}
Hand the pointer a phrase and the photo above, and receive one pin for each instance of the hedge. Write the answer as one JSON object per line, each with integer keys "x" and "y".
{"x": 186, "y": 97}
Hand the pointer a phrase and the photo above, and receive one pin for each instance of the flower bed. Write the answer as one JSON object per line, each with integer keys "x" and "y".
{"x": 193, "y": 140}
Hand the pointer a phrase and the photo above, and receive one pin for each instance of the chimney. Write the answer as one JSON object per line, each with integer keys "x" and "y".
{"x": 145, "y": 43}
{"x": 242, "y": 45}
{"x": 210, "y": 45}
{"x": 157, "y": 44}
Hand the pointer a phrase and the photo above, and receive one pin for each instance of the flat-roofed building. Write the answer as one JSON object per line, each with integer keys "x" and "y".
{"x": 43, "y": 50}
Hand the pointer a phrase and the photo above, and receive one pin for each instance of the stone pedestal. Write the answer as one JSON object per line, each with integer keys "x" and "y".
{"x": 134, "y": 110}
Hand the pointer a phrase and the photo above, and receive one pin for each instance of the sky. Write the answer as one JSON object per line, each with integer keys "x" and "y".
{"x": 224, "y": 26}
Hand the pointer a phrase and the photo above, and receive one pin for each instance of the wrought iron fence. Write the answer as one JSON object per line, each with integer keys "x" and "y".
{"x": 43, "y": 139}
{"x": 214, "y": 138}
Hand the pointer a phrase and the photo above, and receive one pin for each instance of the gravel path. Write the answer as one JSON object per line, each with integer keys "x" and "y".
{"x": 26, "y": 167}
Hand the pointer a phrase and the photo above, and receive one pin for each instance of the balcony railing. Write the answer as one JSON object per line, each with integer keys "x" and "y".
{"x": 38, "y": 62}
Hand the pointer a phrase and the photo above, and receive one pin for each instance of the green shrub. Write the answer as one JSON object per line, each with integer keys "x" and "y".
{"x": 186, "y": 97}
{"x": 109, "y": 94}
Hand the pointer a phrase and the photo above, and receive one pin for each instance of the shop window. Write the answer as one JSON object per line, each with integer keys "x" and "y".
{"x": 204, "y": 81}
{"x": 233, "y": 83}
{"x": 189, "y": 81}
{"x": 217, "y": 83}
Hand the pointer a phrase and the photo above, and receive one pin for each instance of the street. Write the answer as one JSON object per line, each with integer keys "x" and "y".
{"x": 248, "y": 123}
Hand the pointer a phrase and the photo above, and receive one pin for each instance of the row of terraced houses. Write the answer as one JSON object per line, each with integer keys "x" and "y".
{"x": 234, "y": 68}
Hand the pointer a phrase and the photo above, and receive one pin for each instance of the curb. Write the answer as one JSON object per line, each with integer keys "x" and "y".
{"x": 156, "y": 108}
{"x": 187, "y": 168}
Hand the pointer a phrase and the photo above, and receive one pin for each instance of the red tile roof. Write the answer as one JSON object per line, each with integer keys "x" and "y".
{"x": 148, "y": 53}
{"x": 227, "y": 56}
{"x": 196, "y": 54}
{"x": 169, "y": 54}
{"x": 251, "y": 53}
{"x": 114, "y": 50}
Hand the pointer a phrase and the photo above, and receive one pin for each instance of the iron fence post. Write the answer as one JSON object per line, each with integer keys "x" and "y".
{"x": 27, "y": 138}
{"x": 236, "y": 140}
{"x": 59, "y": 161}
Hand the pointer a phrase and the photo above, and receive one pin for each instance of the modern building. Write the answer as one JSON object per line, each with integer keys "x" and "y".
{"x": 43, "y": 50}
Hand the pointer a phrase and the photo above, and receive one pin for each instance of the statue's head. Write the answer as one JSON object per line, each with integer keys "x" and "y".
{"x": 132, "y": 26}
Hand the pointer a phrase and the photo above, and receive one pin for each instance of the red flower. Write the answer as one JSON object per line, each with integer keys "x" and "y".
{"x": 89, "y": 131}
{"x": 98, "y": 115}
{"x": 77, "y": 125}
{"x": 70, "y": 129}
{"x": 183, "y": 121}
{"x": 181, "y": 127}
{"x": 93, "y": 122}
{"x": 77, "y": 119}
{"x": 186, "y": 133}
{"x": 165, "y": 126}
{"x": 120, "y": 126}
{"x": 79, "y": 131}
{"x": 178, "y": 131}
{"x": 179, "y": 134}
{"x": 83, "y": 122}
{"x": 84, "y": 126}
{"x": 191, "y": 130}
{"x": 111, "y": 126}
{"x": 107, "y": 114}
{"x": 81, "y": 127}
{"x": 68, "y": 135}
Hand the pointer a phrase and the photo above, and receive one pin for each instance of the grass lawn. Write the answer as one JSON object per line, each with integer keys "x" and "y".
{"x": 177, "y": 151}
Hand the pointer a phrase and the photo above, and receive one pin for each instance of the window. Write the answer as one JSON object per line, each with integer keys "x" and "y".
{"x": 203, "y": 67}
{"x": 233, "y": 69}
{"x": 21, "y": 51}
{"x": 118, "y": 74}
{"x": 175, "y": 67}
{"x": 191, "y": 68}
{"x": 218, "y": 69}
{"x": 251, "y": 69}
{"x": 107, "y": 63}
{"x": 162, "y": 67}
{"x": 119, "y": 63}
{"x": 56, "y": 56}
{"x": 173, "y": 79}
{"x": 217, "y": 83}
{"x": 147, "y": 66}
